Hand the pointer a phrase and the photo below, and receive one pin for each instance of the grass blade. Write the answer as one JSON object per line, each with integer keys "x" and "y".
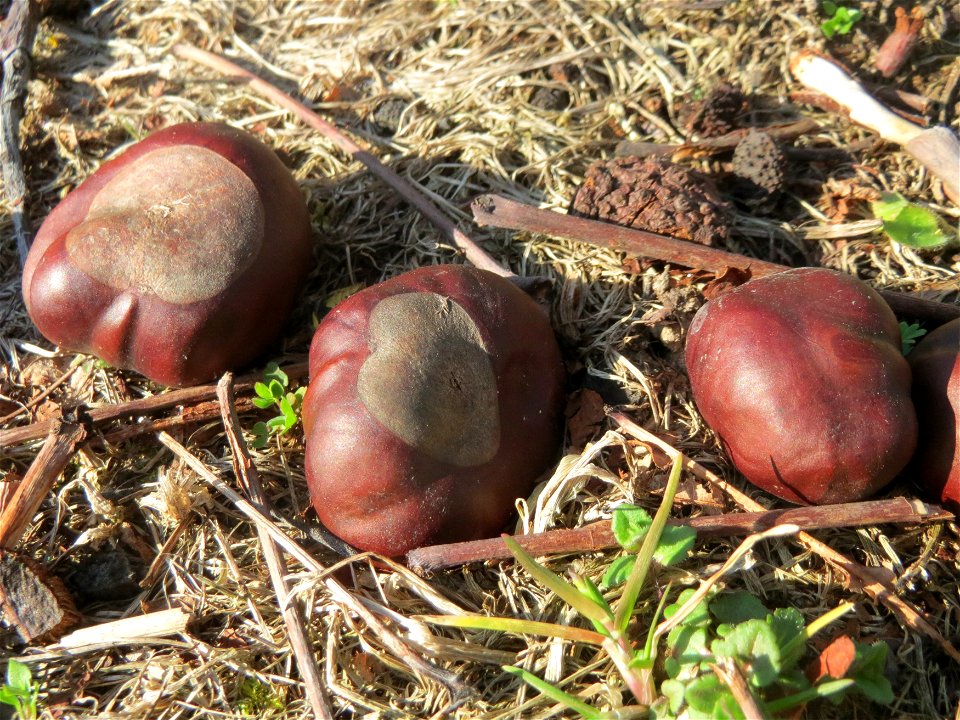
{"x": 515, "y": 626}
{"x": 631, "y": 590}
{"x": 555, "y": 693}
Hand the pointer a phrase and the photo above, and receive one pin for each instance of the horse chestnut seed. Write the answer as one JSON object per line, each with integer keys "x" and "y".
{"x": 435, "y": 400}
{"x": 180, "y": 259}
{"x": 800, "y": 375}
{"x": 936, "y": 395}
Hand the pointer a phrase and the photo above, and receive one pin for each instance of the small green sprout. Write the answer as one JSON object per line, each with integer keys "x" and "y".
{"x": 908, "y": 223}
{"x": 20, "y": 691}
{"x": 256, "y": 698}
{"x": 273, "y": 392}
{"x": 909, "y": 334}
{"x": 840, "y": 21}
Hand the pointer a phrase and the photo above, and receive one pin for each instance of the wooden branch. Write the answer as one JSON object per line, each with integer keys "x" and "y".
{"x": 471, "y": 250}
{"x": 249, "y": 479}
{"x": 599, "y": 536}
{"x": 712, "y": 146}
{"x": 501, "y": 212}
{"x": 16, "y": 40}
{"x": 859, "y": 577}
{"x": 185, "y": 397}
{"x": 39, "y": 478}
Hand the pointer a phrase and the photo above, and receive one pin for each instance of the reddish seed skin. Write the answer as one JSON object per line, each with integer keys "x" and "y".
{"x": 374, "y": 490}
{"x": 935, "y": 362}
{"x": 175, "y": 343}
{"x": 800, "y": 375}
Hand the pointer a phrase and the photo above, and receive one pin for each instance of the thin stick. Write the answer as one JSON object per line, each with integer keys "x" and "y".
{"x": 599, "y": 536}
{"x": 337, "y": 591}
{"x": 249, "y": 479}
{"x": 471, "y": 250}
{"x": 129, "y": 631}
{"x": 39, "y": 478}
{"x": 16, "y": 39}
{"x": 143, "y": 406}
{"x": 501, "y": 212}
{"x": 860, "y": 578}
{"x": 712, "y": 146}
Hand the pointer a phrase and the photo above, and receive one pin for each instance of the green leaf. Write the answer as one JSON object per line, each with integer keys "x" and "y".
{"x": 754, "y": 644}
{"x": 618, "y": 571}
{"x": 261, "y": 434}
{"x": 673, "y": 690}
{"x": 737, "y": 607}
{"x": 275, "y": 422}
{"x": 555, "y": 693}
{"x": 709, "y": 699}
{"x": 689, "y": 645}
{"x": 18, "y": 677}
{"x": 273, "y": 373}
{"x": 867, "y": 671}
{"x": 630, "y": 524}
{"x": 908, "y": 223}
{"x": 697, "y": 617}
{"x": 908, "y": 336}
{"x": 830, "y": 8}
{"x": 276, "y": 389}
{"x": 788, "y": 625}
{"x": 564, "y": 590}
{"x": 263, "y": 403}
{"x": 675, "y": 544}
{"x": 263, "y": 391}
{"x": 8, "y": 696}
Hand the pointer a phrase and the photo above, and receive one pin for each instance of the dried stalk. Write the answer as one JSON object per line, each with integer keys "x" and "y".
{"x": 712, "y": 146}
{"x": 339, "y": 594}
{"x": 39, "y": 478}
{"x": 249, "y": 479}
{"x": 185, "y": 397}
{"x": 16, "y": 39}
{"x": 128, "y": 631}
{"x": 859, "y": 577}
{"x": 501, "y": 212}
{"x": 896, "y": 49}
{"x": 599, "y": 536}
{"x": 471, "y": 250}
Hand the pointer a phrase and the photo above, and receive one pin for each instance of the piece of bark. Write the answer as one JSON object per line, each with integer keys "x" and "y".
{"x": 35, "y": 603}
{"x": 599, "y": 535}
{"x": 39, "y": 478}
{"x": 501, "y": 212}
{"x": 185, "y": 397}
{"x": 16, "y": 40}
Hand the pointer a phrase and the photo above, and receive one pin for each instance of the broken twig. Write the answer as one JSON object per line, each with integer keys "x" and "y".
{"x": 501, "y": 212}
{"x": 599, "y": 535}
{"x": 249, "y": 479}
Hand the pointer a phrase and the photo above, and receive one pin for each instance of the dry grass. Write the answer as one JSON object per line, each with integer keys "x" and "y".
{"x": 449, "y": 94}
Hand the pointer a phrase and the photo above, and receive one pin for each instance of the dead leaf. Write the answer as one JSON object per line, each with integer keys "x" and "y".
{"x": 726, "y": 281}
{"x": 834, "y": 661}
{"x": 585, "y": 416}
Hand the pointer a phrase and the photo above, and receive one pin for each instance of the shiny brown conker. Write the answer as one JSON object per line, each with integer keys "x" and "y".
{"x": 800, "y": 375}
{"x": 180, "y": 259}
{"x": 435, "y": 401}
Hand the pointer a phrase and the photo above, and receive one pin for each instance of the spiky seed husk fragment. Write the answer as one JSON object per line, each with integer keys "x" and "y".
{"x": 654, "y": 195}
{"x": 759, "y": 166}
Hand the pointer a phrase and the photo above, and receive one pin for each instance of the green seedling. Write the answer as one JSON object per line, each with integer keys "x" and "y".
{"x": 703, "y": 632}
{"x": 20, "y": 691}
{"x": 840, "y": 19}
{"x": 257, "y": 698}
{"x": 909, "y": 334}
{"x": 272, "y": 392}
{"x": 910, "y": 224}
